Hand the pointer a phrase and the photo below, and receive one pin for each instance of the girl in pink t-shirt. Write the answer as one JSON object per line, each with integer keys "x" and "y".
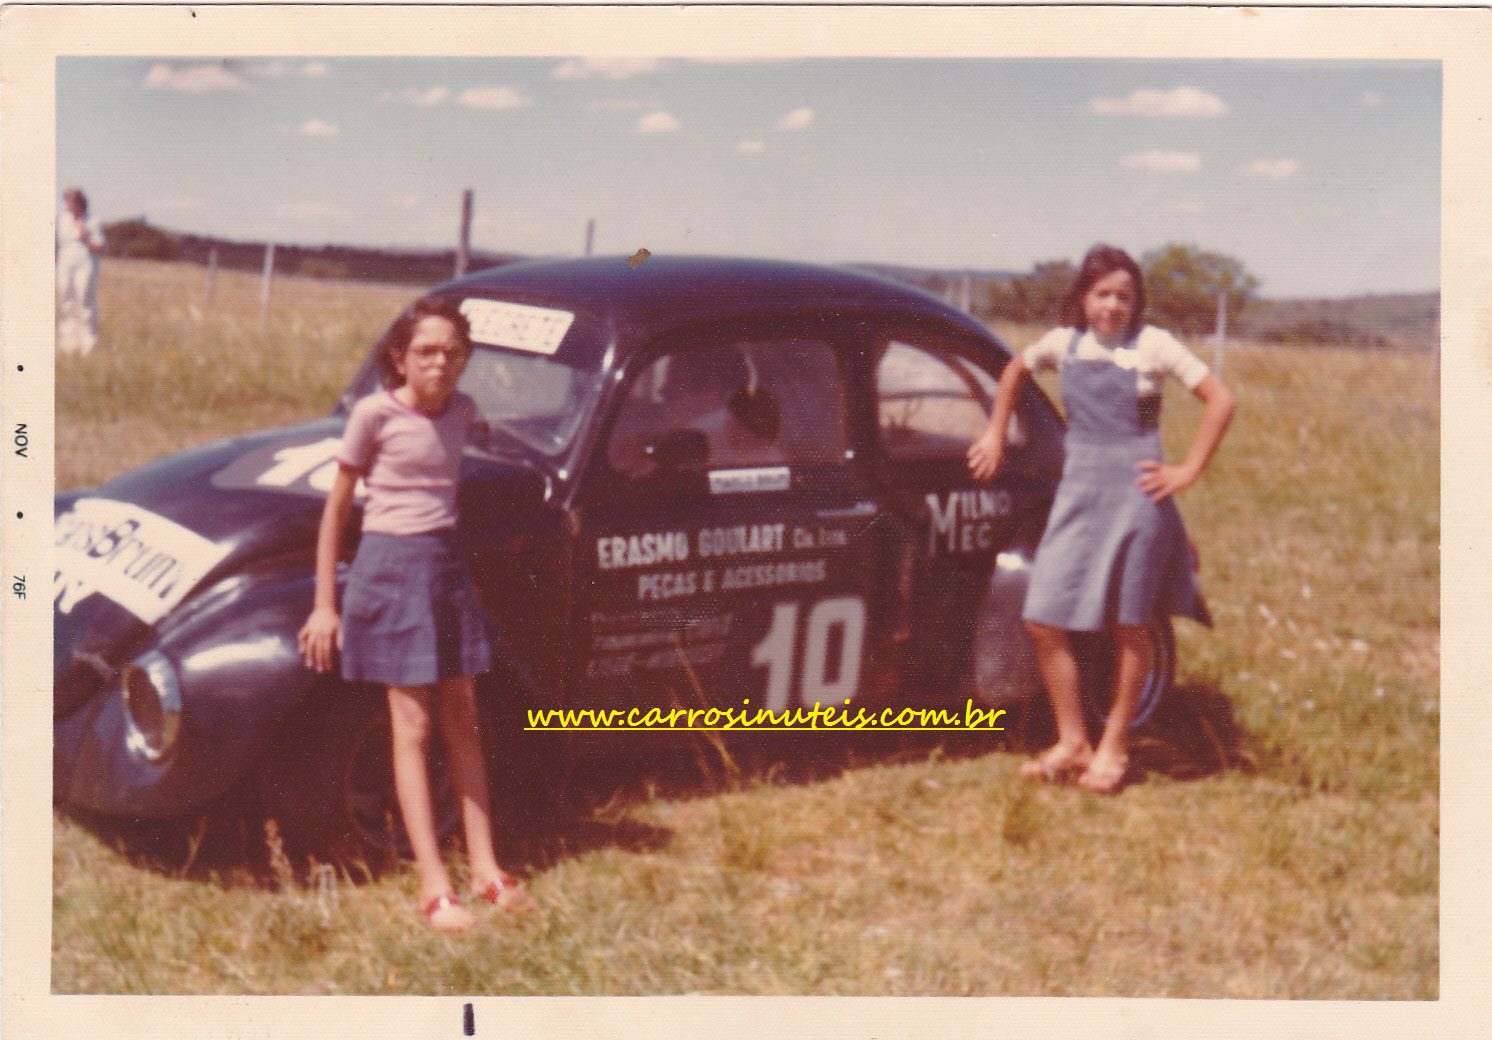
{"x": 410, "y": 618}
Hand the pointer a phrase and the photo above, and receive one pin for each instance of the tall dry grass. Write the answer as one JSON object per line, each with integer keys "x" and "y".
{"x": 174, "y": 369}
{"x": 1305, "y": 869}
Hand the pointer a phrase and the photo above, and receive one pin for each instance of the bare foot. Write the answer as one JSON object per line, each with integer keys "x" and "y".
{"x": 1106, "y": 774}
{"x": 1057, "y": 763}
{"x": 446, "y": 914}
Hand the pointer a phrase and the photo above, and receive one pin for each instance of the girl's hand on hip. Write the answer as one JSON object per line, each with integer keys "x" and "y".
{"x": 322, "y": 632}
{"x": 1159, "y": 480}
{"x": 985, "y": 456}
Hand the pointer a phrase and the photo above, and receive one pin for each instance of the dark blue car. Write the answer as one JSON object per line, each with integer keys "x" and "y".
{"x": 742, "y": 481}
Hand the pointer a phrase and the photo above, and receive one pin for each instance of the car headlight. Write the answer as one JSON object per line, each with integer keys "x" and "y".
{"x": 152, "y": 705}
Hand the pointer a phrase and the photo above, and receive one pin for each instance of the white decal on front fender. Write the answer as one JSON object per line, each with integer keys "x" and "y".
{"x": 144, "y": 562}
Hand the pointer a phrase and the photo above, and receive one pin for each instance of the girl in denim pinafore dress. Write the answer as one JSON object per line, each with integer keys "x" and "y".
{"x": 1114, "y": 553}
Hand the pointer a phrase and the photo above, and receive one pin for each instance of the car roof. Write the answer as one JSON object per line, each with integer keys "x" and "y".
{"x": 625, "y": 306}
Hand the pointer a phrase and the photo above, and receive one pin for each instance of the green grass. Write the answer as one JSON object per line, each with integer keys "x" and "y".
{"x": 1307, "y": 869}
{"x": 174, "y": 370}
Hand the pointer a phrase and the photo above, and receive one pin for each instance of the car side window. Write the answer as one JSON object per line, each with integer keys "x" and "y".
{"x": 757, "y": 402}
{"x": 931, "y": 405}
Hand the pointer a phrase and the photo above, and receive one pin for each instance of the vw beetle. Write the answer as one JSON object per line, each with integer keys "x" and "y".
{"x": 697, "y": 481}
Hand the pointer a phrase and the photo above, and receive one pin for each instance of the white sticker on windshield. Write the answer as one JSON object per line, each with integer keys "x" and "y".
{"x": 144, "y": 562}
{"x": 736, "y": 481}
{"x": 517, "y": 326}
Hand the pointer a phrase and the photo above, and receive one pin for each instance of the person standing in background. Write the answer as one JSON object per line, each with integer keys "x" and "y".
{"x": 80, "y": 242}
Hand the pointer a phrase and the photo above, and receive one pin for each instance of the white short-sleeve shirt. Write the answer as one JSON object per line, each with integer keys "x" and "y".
{"x": 70, "y": 246}
{"x": 1153, "y": 354}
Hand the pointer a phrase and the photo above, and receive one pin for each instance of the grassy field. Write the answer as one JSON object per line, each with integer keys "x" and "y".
{"x": 1288, "y": 848}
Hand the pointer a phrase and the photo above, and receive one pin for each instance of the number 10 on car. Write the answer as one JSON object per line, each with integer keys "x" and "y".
{"x": 841, "y": 618}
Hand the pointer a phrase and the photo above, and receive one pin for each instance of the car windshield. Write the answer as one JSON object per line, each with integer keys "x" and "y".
{"x": 531, "y": 398}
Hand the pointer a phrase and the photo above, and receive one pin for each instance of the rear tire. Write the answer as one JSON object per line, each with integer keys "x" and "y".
{"x": 1095, "y": 654}
{"x": 331, "y": 791}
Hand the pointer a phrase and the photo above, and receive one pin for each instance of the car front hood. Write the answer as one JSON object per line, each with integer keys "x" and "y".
{"x": 132, "y": 551}
{"x": 143, "y": 552}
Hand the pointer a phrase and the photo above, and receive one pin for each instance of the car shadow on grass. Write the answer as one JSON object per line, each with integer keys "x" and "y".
{"x": 1195, "y": 736}
{"x": 234, "y": 845}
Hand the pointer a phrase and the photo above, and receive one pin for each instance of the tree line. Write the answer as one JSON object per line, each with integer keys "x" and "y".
{"x": 138, "y": 238}
{"x": 1182, "y": 283}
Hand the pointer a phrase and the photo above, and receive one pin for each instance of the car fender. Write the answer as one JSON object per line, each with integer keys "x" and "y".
{"x": 240, "y": 676}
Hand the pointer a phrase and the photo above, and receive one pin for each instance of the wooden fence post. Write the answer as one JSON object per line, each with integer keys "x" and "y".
{"x": 590, "y": 235}
{"x": 266, "y": 285}
{"x": 212, "y": 274}
{"x": 463, "y": 245}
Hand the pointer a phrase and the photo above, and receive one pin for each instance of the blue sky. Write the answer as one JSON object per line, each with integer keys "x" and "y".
{"x": 1323, "y": 177}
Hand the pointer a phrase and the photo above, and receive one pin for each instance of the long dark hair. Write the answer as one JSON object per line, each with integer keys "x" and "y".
{"x": 395, "y": 341}
{"x": 1101, "y": 261}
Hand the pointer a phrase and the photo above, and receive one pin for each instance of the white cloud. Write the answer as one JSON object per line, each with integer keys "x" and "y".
{"x": 657, "y": 123}
{"x": 1276, "y": 168}
{"x": 797, "y": 119}
{"x": 422, "y": 96}
{"x": 1372, "y": 99}
{"x": 1187, "y": 206}
{"x": 193, "y": 79}
{"x": 277, "y": 69}
{"x": 742, "y": 59}
{"x": 1180, "y": 102}
{"x": 493, "y": 98}
{"x": 605, "y": 68}
{"x": 316, "y": 128}
{"x": 1163, "y": 162}
{"x": 751, "y": 147}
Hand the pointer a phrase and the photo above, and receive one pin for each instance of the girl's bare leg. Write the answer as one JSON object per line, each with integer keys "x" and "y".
{"x": 1059, "y": 673}
{"x": 409, "y": 717}
{"x": 1132, "y": 663}
{"x": 461, "y": 728}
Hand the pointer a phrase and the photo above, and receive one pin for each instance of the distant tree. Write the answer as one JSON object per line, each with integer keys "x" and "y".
{"x": 1032, "y": 297}
{"x": 138, "y": 239}
{"x": 1182, "y": 283}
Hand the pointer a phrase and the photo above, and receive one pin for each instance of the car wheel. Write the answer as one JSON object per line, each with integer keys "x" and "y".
{"x": 1095, "y": 654}
{"x": 330, "y": 786}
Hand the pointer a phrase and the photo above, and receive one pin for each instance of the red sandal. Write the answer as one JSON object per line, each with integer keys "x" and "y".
{"x": 444, "y": 913}
{"x": 508, "y": 894}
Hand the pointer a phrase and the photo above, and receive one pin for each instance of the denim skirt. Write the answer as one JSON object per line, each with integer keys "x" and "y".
{"x": 410, "y": 615}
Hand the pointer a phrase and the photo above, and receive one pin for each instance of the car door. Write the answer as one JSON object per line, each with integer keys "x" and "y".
{"x": 728, "y": 546}
{"x": 933, "y": 391}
